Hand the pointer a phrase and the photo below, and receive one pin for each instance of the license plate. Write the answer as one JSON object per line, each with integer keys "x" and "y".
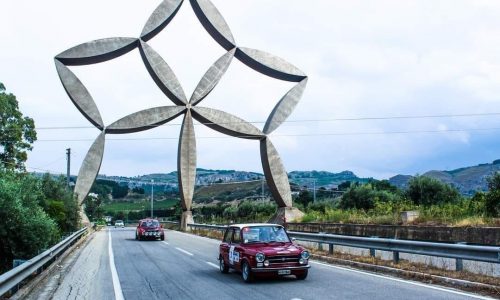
{"x": 284, "y": 272}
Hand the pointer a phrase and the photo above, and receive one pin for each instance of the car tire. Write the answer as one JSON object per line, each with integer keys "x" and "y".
{"x": 246, "y": 272}
{"x": 136, "y": 236}
{"x": 222, "y": 266}
{"x": 162, "y": 238}
{"x": 302, "y": 276}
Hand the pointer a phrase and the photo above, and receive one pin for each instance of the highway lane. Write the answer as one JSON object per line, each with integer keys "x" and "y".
{"x": 185, "y": 267}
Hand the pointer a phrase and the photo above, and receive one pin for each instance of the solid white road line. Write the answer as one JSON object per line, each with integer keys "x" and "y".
{"x": 184, "y": 251}
{"x": 165, "y": 243}
{"x": 212, "y": 264}
{"x": 404, "y": 281}
{"x": 114, "y": 275}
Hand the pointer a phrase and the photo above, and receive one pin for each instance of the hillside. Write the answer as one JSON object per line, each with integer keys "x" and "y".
{"x": 467, "y": 180}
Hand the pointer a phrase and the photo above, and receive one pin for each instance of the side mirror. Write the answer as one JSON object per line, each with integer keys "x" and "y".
{"x": 293, "y": 240}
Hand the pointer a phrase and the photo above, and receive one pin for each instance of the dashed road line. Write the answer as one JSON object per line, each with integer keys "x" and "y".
{"x": 165, "y": 243}
{"x": 405, "y": 281}
{"x": 114, "y": 275}
{"x": 212, "y": 264}
{"x": 184, "y": 251}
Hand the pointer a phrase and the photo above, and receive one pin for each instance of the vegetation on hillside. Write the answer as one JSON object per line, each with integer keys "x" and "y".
{"x": 34, "y": 214}
{"x": 437, "y": 203}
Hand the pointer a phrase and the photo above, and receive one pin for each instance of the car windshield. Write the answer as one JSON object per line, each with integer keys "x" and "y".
{"x": 150, "y": 223}
{"x": 264, "y": 234}
{"x": 119, "y": 221}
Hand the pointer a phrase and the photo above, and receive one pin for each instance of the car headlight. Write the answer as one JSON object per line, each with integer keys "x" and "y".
{"x": 260, "y": 257}
{"x": 305, "y": 254}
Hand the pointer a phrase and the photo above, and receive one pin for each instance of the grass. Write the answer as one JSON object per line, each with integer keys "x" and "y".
{"x": 140, "y": 205}
{"x": 463, "y": 213}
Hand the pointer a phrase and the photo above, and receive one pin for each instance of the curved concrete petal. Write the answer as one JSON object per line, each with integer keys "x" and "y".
{"x": 97, "y": 51}
{"x": 276, "y": 176}
{"x": 226, "y": 123}
{"x": 269, "y": 64}
{"x": 163, "y": 76}
{"x": 212, "y": 77}
{"x": 145, "y": 119}
{"x": 285, "y": 107}
{"x": 89, "y": 169}
{"x": 79, "y": 94}
{"x": 213, "y": 22}
{"x": 186, "y": 162}
{"x": 160, "y": 18}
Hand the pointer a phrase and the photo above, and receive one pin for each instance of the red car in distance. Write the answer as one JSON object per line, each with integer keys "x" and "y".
{"x": 261, "y": 250}
{"x": 149, "y": 229}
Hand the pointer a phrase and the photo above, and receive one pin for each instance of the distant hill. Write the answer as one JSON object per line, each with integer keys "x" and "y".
{"x": 208, "y": 177}
{"x": 467, "y": 180}
{"x": 323, "y": 178}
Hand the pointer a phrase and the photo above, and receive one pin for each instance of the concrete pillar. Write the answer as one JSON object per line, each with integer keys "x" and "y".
{"x": 187, "y": 218}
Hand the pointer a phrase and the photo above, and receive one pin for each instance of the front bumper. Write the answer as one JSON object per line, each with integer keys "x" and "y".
{"x": 267, "y": 270}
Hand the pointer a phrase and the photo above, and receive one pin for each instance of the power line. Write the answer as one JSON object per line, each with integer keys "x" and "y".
{"x": 287, "y": 135}
{"x": 302, "y": 121}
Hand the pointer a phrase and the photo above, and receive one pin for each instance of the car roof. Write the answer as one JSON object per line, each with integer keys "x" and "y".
{"x": 253, "y": 225}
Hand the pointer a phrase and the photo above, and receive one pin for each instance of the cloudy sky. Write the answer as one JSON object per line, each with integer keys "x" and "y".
{"x": 394, "y": 86}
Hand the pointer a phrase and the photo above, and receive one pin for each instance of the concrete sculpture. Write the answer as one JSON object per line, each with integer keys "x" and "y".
{"x": 106, "y": 49}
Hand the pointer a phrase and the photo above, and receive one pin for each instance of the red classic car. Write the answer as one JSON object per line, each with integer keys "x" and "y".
{"x": 260, "y": 250}
{"x": 149, "y": 229}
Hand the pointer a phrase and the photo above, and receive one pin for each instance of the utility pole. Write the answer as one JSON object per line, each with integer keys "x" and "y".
{"x": 68, "y": 160}
{"x": 152, "y": 182}
{"x": 263, "y": 188}
{"x": 314, "y": 191}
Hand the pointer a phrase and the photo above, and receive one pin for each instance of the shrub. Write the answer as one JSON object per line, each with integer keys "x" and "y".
{"x": 429, "y": 191}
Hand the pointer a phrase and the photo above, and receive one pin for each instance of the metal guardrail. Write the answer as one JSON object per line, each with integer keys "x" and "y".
{"x": 14, "y": 277}
{"x": 208, "y": 226}
{"x": 457, "y": 251}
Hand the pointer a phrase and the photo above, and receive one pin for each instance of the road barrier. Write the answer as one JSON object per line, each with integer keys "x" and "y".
{"x": 13, "y": 278}
{"x": 457, "y": 251}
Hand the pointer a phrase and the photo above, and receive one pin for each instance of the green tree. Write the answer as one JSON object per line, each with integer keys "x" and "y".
{"x": 25, "y": 229}
{"x": 304, "y": 198}
{"x": 366, "y": 196}
{"x": 17, "y": 133}
{"x": 429, "y": 191}
{"x": 492, "y": 198}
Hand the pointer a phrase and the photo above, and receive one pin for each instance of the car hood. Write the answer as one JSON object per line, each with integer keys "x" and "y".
{"x": 277, "y": 249}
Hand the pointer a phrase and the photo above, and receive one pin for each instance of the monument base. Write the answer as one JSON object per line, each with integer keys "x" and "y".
{"x": 286, "y": 214}
{"x": 187, "y": 218}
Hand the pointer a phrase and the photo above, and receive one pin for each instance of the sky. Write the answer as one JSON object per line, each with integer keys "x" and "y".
{"x": 395, "y": 87}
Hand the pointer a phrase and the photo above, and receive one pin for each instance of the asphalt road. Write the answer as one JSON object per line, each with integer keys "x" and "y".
{"x": 186, "y": 267}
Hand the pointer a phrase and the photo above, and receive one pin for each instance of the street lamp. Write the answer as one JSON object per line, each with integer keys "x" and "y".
{"x": 152, "y": 182}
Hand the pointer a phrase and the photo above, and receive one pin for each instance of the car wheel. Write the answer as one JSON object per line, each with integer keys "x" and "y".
{"x": 136, "y": 237}
{"x": 302, "y": 276}
{"x": 162, "y": 238}
{"x": 246, "y": 272}
{"x": 222, "y": 266}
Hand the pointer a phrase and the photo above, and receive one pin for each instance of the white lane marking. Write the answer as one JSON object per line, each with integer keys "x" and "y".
{"x": 212, "y": 264}
{"x": 165, "y": 243}
{"x": 184, "y": 251}
{"x": 404, "y": 281}
{"x": 114, "y": 275}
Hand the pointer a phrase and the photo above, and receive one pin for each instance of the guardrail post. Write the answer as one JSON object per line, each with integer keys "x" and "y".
{"x": 395, "y": 257}
{"x": 330, "y": 249}
{"x": 459, "y": 263}
{"x": 320, "y": 245}
{"x": 372, "y": 250}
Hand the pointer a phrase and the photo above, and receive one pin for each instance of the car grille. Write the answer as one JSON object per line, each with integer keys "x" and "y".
{"x": 277, "y": 260}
